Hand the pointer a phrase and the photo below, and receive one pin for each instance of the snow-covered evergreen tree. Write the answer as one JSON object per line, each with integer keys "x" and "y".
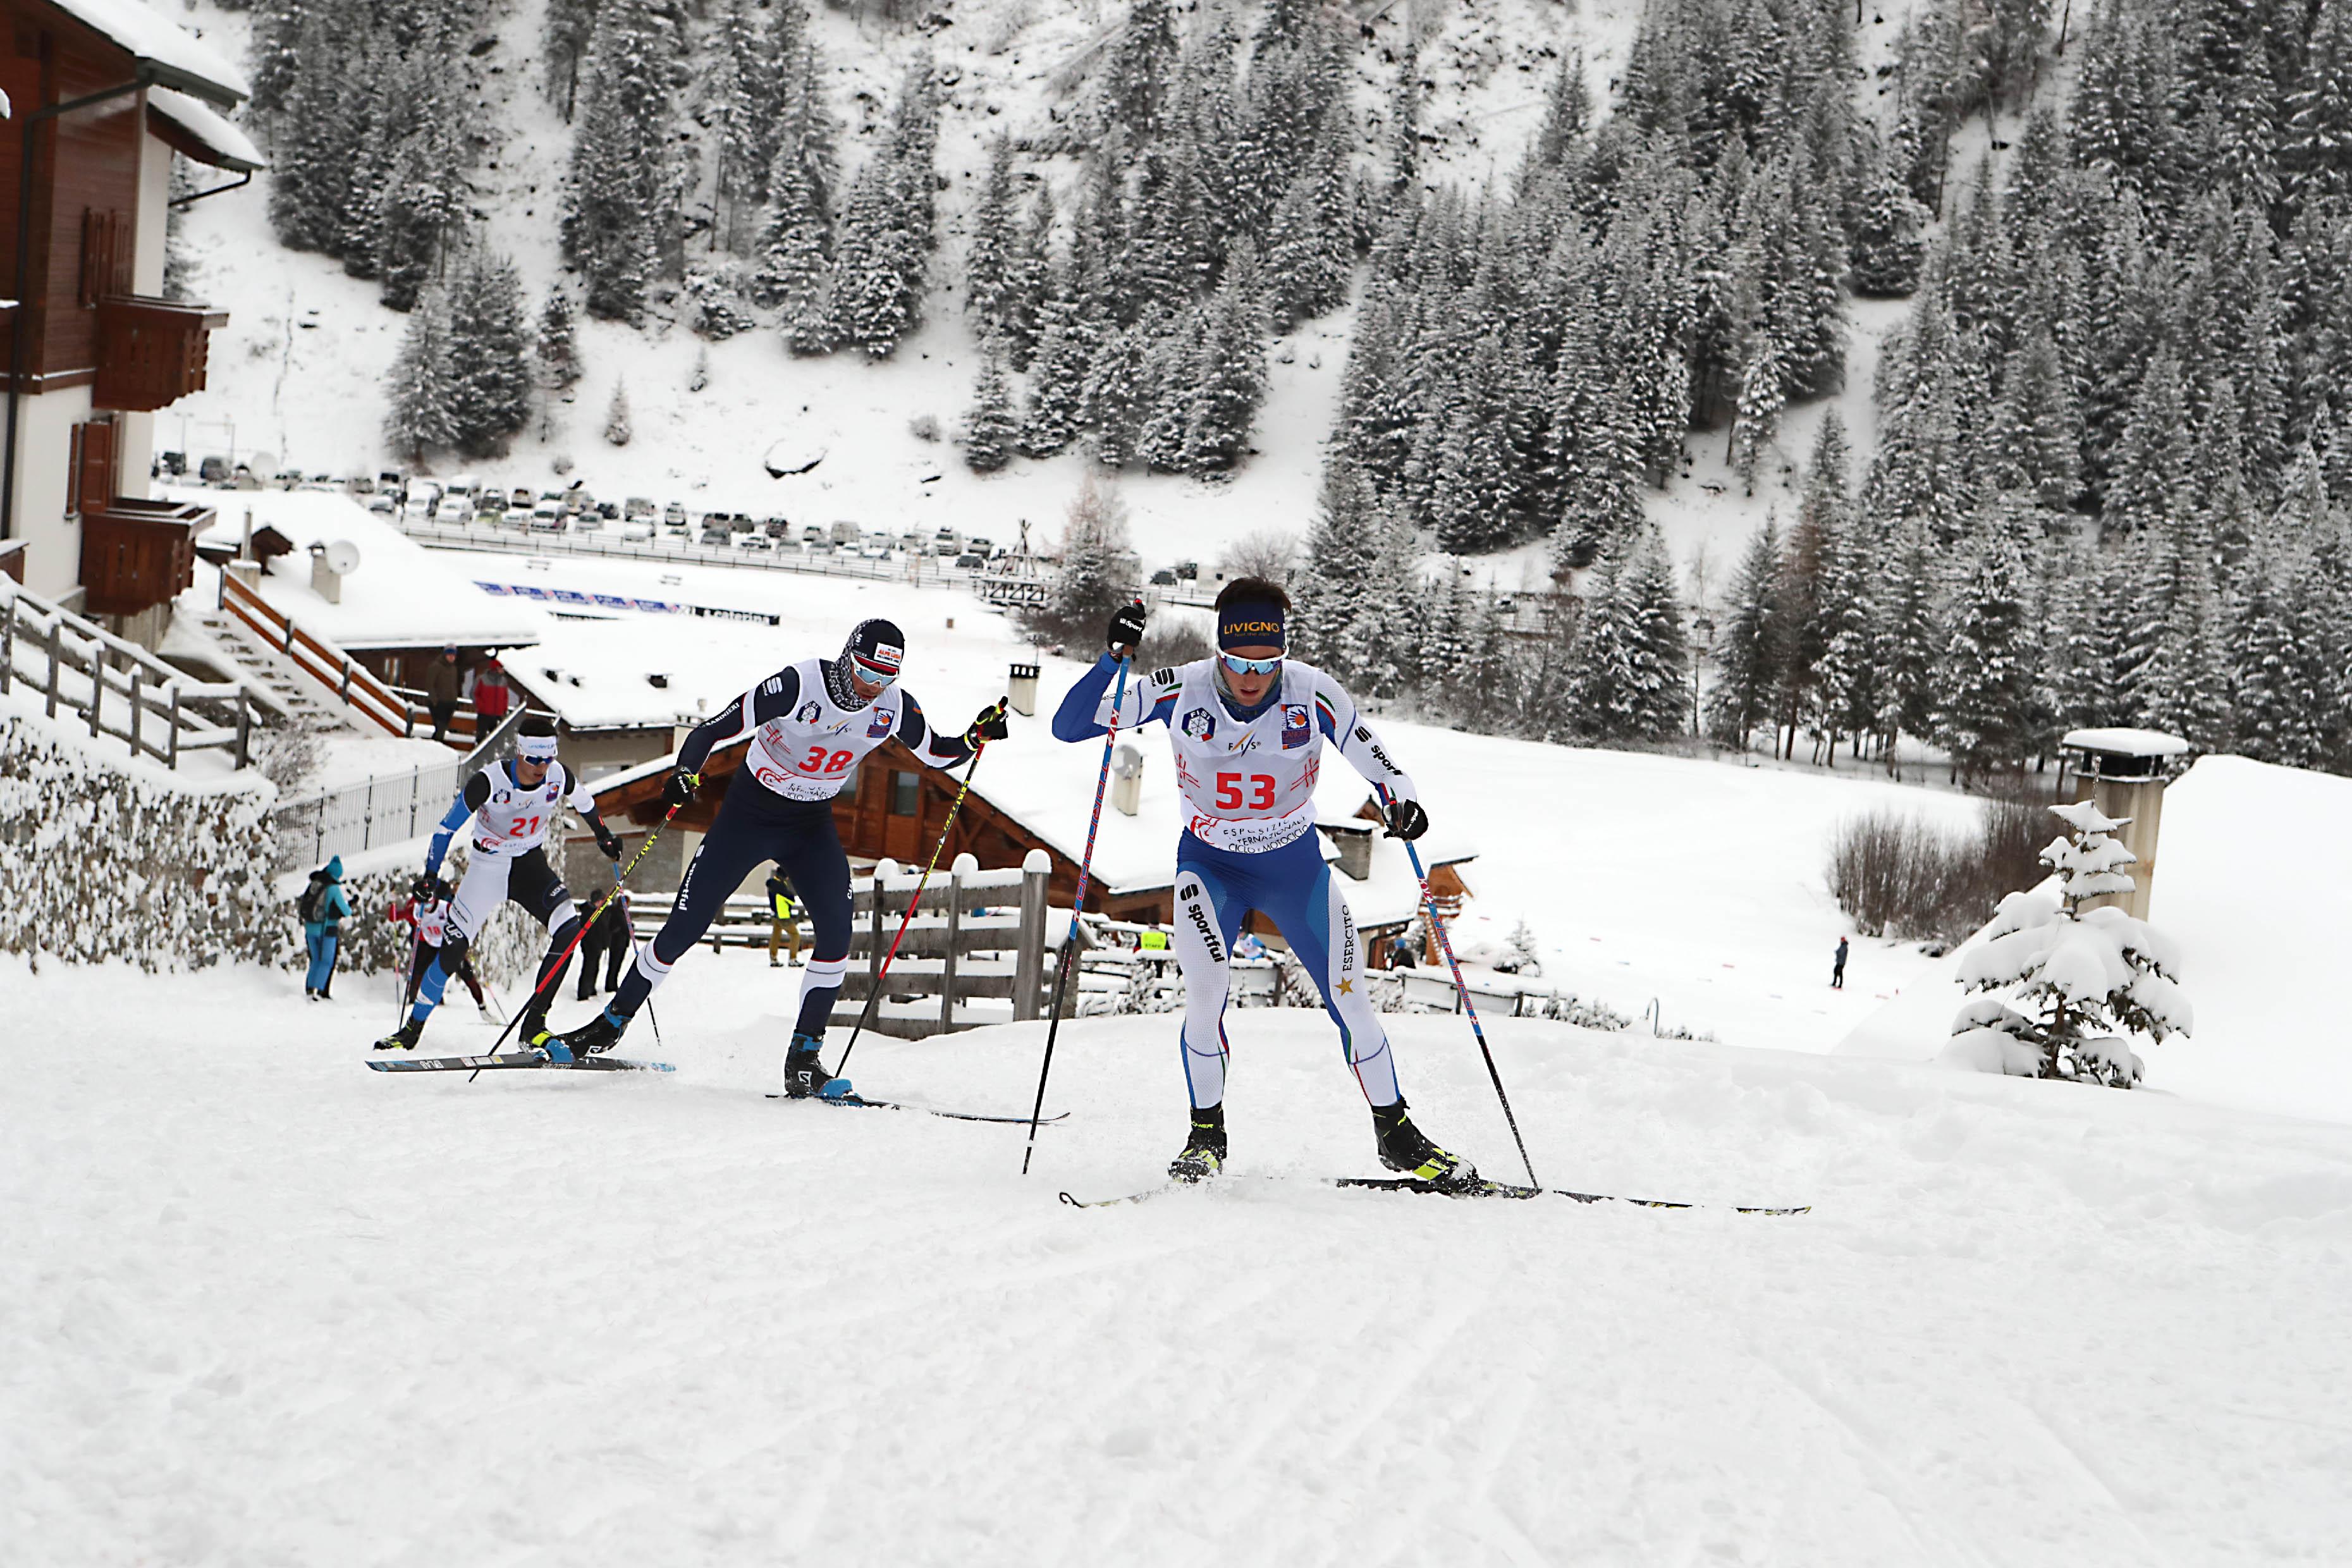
{"x": 2054, "y": 978}
{"x": 991, "y": 427}
{"x": 617, "y": 429}
{"x": 490, "y": 356}
{"x": 558, "y": 350}
{"x": 1749, "y": 648}
{"x": 616, "y": 219}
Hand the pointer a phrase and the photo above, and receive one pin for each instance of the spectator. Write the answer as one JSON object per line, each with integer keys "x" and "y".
{"x": 322, "y": 908}
{"x": 1837, "y": 970}
{"x": 492, "y": 697}
{"x": 784, "y": 918}
{"x": 442, "y": 682}
{"x": 608, "y": 936}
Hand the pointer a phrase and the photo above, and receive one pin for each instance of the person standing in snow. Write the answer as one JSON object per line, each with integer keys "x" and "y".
{"x": 492, "y": 698}
{"x": 784, "y": 918}
{"x": 809, "y": 724}
{"x": 1247, "y": 729}
{"x": 323, "y": 906}
{"x": 511, "y": 806}
{"x": 426, "y": 914}
{"x": 607, "y": 940}
{"x": 443, "y": 681}
{"x": 1837, "y": 970}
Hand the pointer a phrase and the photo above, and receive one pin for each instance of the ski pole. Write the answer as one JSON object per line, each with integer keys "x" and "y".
{"x": 556, "y": 968}
{"x": 1070, "y": 942}
{"x": 628, "y": 923}
{"x": 874, "y": 996}
{"x": 1445, "y": 946}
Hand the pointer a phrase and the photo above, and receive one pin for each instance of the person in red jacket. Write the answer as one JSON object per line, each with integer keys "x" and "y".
{"x": 492, "y": 697}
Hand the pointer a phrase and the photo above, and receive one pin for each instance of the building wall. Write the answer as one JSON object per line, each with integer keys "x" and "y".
{"x": 44, "y": 442}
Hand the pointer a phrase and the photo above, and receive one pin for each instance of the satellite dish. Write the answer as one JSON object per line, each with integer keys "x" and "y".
{"x": 342, "y": 557}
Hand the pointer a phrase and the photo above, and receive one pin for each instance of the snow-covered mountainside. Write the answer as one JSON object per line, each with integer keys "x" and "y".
{"x": 265, "y": 1305}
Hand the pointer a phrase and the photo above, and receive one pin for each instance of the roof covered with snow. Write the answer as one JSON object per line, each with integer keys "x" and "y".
{"x": 180, "y": 59}
{"x": 402, "y": 595}
{"x": 2123, "y": 743}
{"x": 205, "y": 134}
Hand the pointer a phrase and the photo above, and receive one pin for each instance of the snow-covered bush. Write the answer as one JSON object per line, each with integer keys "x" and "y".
{"x": 2056, "y": 980}
{"x": 99, "y": 861}
{"x": 1519, "y": 955}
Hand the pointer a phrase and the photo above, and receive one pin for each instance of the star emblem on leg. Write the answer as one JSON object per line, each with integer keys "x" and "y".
{"x": 1346, "y": 987}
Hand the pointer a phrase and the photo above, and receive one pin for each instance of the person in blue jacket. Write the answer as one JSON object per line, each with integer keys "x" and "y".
{"x": 324, "y": 907}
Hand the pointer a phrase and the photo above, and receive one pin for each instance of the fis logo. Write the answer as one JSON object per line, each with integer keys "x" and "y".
{"x": 1295, "y": 727}
{"x": 1200, "y": 725}
{"x": 810, "y": 712}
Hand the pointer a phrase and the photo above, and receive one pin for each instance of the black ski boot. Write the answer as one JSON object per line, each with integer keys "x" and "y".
{"x": 1402, "y": 1148}
{"x": 1204, "y": 1151}
{"x": 597, "y": 1035}
{"x": 404, "y": 1038}
{"x": 804, "y": 1075}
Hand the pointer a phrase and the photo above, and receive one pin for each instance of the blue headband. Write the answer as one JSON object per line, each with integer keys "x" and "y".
{"x": 1249, "y": 625}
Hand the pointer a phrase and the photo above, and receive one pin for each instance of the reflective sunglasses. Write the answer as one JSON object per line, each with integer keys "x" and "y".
{"x": 871, "y": 674}
{"x": 1250, "y": 666}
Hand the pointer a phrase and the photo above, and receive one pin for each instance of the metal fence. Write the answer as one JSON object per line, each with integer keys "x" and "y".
{"x": 389, "y": 808}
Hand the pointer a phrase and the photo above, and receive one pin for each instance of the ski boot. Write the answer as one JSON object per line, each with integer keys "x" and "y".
{"x": 404, "y": 1038}
{"x": 597, "y": 1035}
{"x": 804, "y": 1075}
{"x": 1403, "y": 1148}
{"x": 1204, "y": 1151}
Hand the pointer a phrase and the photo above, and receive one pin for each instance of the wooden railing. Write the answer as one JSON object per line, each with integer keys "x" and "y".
{"x": 354, "y": 685}
{"x": 118, "y": 687}
{"x": 136, "y": 554}
{"x": 150, "y": 353}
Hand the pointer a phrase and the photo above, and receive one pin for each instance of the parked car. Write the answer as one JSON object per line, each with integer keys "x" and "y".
{"x": 587, "y": 518}
{"x": 1163, "y": 578}
{"x": 213, "y": 471}
{"x": 545, "y": 516}
{"x": 754, "y": 540}
{"x": 980, "y": 543}
{"x": 874, "y": 548}
{"x": 847, "y": 533}
{"x": 286, "y": 478}
{"x": 522, "y": 497}
{"x": 972, "y": 561}
{"x": 777, "y": 528}
{"x": 359, "y": 485}
{"x": 383, "y": 505}
{"x": 1188, "y": 571}
{"x": 637, "y": 533}
{"x": 716, "y": 537}
{"x": 947, "y": 542}
{"x": 489, "y": 506}
{"x": 610, "y": 511}
{"x": 810, "y": 533}
{"x": 454, "y": 510}
{"x": 673, "y": 516}
{"x": 638, "y": 507}
{"x": 817, "y": 546}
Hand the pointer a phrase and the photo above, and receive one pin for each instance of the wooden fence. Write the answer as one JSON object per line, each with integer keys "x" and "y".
{"x": 116, "y": 686}
{"x": 354, "y": 685}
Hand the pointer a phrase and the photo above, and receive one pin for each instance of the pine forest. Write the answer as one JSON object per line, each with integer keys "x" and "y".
{"x": 2110, "y": 482}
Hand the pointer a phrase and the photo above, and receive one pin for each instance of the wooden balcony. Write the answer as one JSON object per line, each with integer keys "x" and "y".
{"x": 136, "y": 554}
{"x": 150, "y": 353}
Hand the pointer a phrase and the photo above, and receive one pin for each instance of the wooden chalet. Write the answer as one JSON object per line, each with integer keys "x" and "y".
{"x": 101, "y": 96}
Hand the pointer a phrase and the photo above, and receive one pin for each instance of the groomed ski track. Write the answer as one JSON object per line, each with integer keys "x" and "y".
{"x": 265, "y": 1306}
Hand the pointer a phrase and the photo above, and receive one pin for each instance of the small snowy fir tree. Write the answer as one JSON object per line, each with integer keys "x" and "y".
{"x": 1519, "y": 955}
{"x": 616, "y": 417}
{"x": 2056, "y": 979}
{"x": 991, "y": 427}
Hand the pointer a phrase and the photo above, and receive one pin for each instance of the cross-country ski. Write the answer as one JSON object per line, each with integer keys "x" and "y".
{"x": 1626, "y": 729}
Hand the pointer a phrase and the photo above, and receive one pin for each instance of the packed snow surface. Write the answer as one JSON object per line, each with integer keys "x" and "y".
{"x": 265, "y": 1306}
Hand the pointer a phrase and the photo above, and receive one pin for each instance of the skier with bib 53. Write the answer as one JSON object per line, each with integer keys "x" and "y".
{"x": 1247, "y": 729}
{"x": 811, "y": 725}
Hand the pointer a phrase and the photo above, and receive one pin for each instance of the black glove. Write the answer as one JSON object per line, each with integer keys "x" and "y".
{"x": 988, "y": 726}
{"x": 1127, "y": 627}
{"x": 679, "y": 787}
{"x": 608, "y": 844}
{"x": 1406, "y": 819}
{"x": 428, "y": 887}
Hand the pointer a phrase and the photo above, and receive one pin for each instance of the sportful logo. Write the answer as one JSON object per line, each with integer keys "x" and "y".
{"x": 1199, "y": 919}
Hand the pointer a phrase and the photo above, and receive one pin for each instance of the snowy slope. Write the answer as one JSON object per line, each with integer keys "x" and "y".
{"x": 265, "y": 1306}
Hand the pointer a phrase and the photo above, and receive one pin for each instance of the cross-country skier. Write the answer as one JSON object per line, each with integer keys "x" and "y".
{"x": 810, "y": 724}
{"x": 1247, "y": 729}
{"x": 511, "y": 806}
{"x": 426, "y": 911}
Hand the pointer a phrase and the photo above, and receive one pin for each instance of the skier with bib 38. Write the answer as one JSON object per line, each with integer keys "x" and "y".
{"x": 511, "y": 806}
{"x": 1247, "y": 729}
{"x": 809, "y": 724}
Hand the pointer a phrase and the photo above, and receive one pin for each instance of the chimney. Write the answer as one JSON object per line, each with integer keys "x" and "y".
{"x": 1126, "y": 780}
{"x": 2124, "y": 772}
{"x": 1355, "y": 849}
{"x": 1021, "y": 692}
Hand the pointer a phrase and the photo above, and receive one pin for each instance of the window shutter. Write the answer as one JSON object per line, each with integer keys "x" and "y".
{"x": 93, "y": 467}
{"x": 105, "y": 256}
